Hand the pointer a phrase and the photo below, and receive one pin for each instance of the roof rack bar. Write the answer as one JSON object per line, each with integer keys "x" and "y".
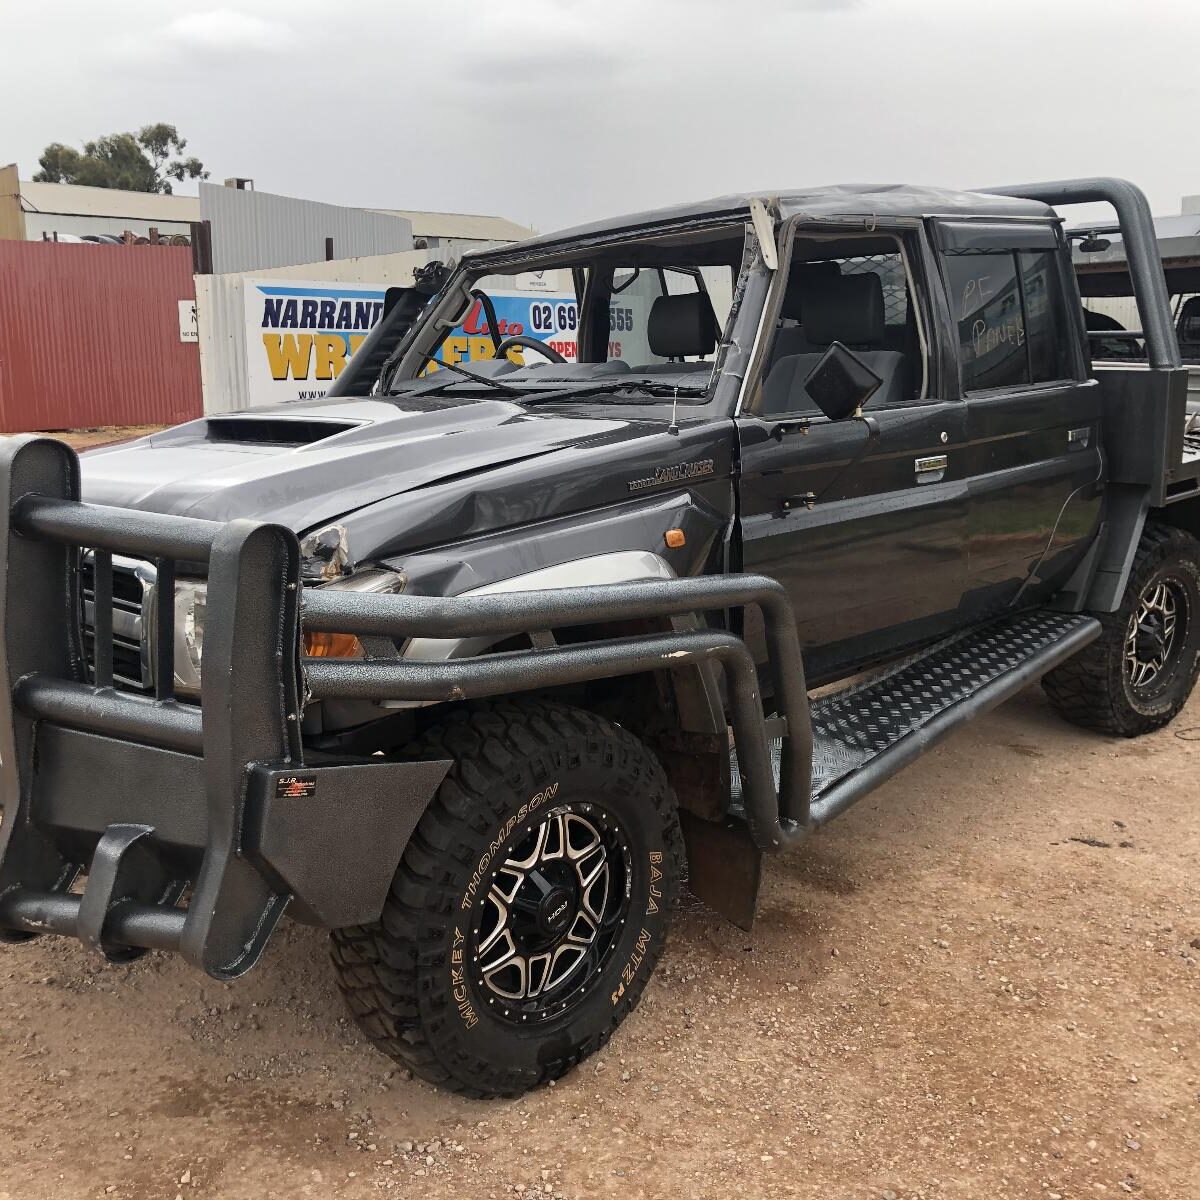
{"x": 1141, "y": 250}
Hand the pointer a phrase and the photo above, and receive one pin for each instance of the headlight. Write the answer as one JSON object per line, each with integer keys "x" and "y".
{"x": 191, "y": 597}
{"x": 346, "y": 645}
{"x": 325, "y": 555}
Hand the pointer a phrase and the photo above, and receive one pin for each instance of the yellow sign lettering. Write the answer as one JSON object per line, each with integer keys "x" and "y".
{"x": 288, "y": 354}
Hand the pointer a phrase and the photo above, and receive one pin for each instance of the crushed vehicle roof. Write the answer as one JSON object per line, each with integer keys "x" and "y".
{"x": 865, "y": 199}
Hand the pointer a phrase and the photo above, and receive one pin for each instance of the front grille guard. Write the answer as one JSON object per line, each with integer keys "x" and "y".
{"x": 251, "y": 701}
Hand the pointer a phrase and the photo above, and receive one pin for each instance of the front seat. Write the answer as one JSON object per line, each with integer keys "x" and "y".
{"x": 803, "y": 288}
{"x": 680, "y": 327}
{"x": 846, "y": 309}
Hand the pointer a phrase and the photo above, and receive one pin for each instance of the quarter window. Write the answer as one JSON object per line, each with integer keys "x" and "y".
{"x": 1012, "y": 320}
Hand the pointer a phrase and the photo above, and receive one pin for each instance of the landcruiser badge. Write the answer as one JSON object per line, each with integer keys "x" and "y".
{"x": 295, "y": 787}
{"x": 673, "y": 474}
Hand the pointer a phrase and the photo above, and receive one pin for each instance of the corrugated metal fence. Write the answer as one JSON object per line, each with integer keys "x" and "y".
{"x": 90, "y": 335}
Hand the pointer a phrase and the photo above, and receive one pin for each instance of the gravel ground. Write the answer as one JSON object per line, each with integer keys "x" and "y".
{"x": 982, "y": 982}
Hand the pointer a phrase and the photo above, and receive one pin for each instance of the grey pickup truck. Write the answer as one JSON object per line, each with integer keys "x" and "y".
{"x": 466, "y": 660}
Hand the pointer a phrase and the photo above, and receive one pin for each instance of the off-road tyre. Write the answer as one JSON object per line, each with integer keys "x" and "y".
{"x": 518, "y": 768}
{"x": 1095, "y": 688}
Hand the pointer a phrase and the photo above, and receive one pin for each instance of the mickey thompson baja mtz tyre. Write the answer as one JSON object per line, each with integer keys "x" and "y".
{"x": 530, "y": 906}
{"x": 1141, "y": 670}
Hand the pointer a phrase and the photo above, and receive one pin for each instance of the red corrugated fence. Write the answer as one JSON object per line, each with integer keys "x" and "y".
{"x": 89, "y": 335}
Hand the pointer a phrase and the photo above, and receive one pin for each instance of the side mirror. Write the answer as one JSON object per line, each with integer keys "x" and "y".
{"x": 841, "y": 383}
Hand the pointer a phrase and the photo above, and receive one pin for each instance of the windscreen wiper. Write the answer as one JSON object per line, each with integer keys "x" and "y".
{"x": 609, "y": 386}
{"x": 486, "y": 380}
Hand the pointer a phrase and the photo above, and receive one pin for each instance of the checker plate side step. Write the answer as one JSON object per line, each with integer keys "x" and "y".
{"x": 867, "y": 732}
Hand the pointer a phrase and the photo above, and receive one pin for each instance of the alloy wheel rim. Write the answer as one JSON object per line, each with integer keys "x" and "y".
{"x": 1154, "y": 634}
{"x": 551, "y": 913}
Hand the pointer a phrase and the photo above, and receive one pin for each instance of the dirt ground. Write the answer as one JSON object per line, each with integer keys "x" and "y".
{"x": 106, "y": 435}
{"x": 982, "y": 982}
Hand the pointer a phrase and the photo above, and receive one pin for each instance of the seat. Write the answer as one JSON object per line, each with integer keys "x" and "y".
{"x": 680, "y": 327}
{"x": 846, "y": 309}
{"x": 803, "y": 285}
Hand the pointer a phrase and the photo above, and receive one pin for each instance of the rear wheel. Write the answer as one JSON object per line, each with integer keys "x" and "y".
{"x": 530, "y": 906}
{"x": 1140, "y": 672}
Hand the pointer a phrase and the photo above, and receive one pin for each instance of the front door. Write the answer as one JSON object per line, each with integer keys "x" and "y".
{"x": 866, "y": 533}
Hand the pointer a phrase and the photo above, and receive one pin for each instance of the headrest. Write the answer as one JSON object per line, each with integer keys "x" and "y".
{"x": 682, "y": 325}
{"x": 847, "y": 309}
{"x": 803, "y": 281}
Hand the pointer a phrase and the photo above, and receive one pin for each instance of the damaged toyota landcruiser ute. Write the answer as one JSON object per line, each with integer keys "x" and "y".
{"x": 458, "y": 661}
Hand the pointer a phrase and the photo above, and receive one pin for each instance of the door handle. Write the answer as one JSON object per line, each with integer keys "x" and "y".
{"x": 930, "y": 468}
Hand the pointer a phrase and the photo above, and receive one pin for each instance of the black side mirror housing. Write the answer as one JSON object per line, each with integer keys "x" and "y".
{"x": 841, "y": 383}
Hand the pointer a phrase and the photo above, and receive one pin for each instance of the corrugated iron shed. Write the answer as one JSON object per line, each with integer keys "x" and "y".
{"x": 90, "y": 335}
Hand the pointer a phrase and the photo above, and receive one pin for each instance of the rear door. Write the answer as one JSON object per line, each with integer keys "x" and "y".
{"x": 1033, "y": 457}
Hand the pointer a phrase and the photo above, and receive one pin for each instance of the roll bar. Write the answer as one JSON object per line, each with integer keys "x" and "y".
{"x": 1141, "y": 251}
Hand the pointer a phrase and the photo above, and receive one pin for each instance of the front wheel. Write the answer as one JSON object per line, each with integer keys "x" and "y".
{"x": 1141, "y": 670}
{"x": 530, "y": 906}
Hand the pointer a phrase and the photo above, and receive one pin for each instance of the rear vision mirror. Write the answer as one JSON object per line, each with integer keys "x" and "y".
{"x": 1094, "y": 244}
{"x": 841, "y": 383}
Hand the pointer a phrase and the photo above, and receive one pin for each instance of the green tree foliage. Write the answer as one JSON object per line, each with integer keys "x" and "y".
{"x": 145, "y": 161}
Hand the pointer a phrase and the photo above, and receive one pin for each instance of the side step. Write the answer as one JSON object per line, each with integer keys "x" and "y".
{"x": 866, "y": 733}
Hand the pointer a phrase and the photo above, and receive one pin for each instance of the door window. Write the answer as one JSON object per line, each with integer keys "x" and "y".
{"x": 1013, "y": 328}
{"x": 856, "y": 291}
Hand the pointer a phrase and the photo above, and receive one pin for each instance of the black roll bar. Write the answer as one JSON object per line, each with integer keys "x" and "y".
{"x": 1141, "y": 250}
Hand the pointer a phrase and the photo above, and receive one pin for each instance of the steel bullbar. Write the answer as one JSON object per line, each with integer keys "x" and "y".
{"x": 776, "y": 820}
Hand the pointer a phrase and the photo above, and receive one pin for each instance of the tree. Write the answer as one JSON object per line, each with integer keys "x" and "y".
{"x": 145, "y": 161}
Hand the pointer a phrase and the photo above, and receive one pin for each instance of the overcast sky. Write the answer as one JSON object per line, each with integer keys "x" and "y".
{"x": 555, "y": 111}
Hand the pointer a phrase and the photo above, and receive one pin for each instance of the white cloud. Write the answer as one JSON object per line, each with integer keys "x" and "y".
{"x": 225, "y": 30}
{"x": 211, "y": 36}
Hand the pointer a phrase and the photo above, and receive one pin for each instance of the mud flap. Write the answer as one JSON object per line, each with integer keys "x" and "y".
{"x": 724, "y": 867}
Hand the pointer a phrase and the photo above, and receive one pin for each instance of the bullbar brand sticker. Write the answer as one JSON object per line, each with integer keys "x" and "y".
{"x": 295, "y": 787}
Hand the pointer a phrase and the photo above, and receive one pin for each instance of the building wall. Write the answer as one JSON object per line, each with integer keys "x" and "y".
{"x": 90, "y": 335}
{"x": 256, "y": 230}
{"x": 12, "y": 219}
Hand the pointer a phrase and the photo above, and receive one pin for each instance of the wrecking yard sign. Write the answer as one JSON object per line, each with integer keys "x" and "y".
{"x": 299, "y": 335}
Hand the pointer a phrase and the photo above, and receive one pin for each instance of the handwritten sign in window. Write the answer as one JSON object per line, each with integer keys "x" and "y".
{"x": 991, "y": 324}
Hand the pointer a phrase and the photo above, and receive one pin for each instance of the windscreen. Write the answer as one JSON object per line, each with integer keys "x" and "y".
{"x": 655, "y": 310}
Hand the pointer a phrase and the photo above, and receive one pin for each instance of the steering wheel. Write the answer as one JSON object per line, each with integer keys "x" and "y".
{"x": 523, "y": 339}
